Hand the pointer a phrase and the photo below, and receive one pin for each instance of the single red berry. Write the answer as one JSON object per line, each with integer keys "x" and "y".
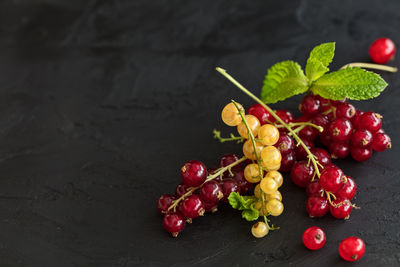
{"x": 348, "y": 190}
{"x": 285, "y": 115}
{"x": 173, "y": 223}
{"x": 322, "y": 155}
{"x": 261, "y": 114}
{"x": 180, "y": 190}
{"x": 314, "y": 238}
{"x": 339, "y": 150}
{"x": 210, "y": 207}
{"x": 308, "y": 133}
{"x": 382, "y": 50}
{"x": 193, "y": 173}
{"x": 332, "y": 179}
{"x": 371, "y": 121}
{"x": 381, "y": 142}
{"x": 340, "y": 129}
{"x": 356, "y": 119}
{"x": 285, "y": 144}
{"x": 228, "y": 186}
{"x": 310, "y": 105}
{"x": 325, "y": 138}
{"x": 300, "y": 151}
{"x": 324, "y": 101}
{"x": 192, "y": 207}
{"x": 352, "y": 248}
{"x": 314, "y": 189}
{"x": 288, "y": 161}
{"x": 164, "y": 202}
{"x": 317, "y": 206}
{"x": 341, "y": 208}
{"x": 321, "y": 120}
{"x": 211, "y": 192}
{"x": 360, "y": 154}
{"x": 361, "y": 138}
{"x": 345, "y": 110}
{"x": 228, "y": 159}
{"x": 302, "y": 173}
{"x": 244, "y": 185}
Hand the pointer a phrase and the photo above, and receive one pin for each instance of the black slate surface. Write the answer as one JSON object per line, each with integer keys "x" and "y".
{"x": 101, "y": 102}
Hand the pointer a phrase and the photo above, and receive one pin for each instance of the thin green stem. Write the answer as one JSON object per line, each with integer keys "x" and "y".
{"x": 217, "y": 135}
{"x": 370, "y": 66}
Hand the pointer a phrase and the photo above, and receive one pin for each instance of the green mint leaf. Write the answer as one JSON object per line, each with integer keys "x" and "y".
{"x": 352, "y": 83}
{"x": 250, "y": 214}
{"x": 318, "y": 61}
{"x": 283, "y": 80}
{"x": 245, "y": 204}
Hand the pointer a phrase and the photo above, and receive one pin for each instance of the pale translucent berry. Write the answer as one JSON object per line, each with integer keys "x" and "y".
{"x": 277, "y": 176}
{"x": 276, "y": 195}
{"x": 268, "y": 134}
{"x": 259, "y": 229}
{"x": 252, "y": 122}
{"x": 230, "y": 115}
{"x": 271, "y": 157}
{"x": 252, "y": 173}
{"x": 274, "y": 207}
{"x": 268, "y": 185}
{"x": 248, "y": 150}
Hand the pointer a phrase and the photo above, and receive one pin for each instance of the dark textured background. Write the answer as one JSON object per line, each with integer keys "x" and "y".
{"x": 101, "y": 102}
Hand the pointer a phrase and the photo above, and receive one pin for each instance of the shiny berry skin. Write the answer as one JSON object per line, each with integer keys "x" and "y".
{"x": 300, "y": 152}
{"x": 324, "y": 101}
{"x": 228, "y": 186}
{"x": 261, "y": 113}
{"x": 381, "y": 142}
{"x": 244, "y": 185}
{"x": 356, "y": 119}
{"x": 317, "y": 206}
{"x": 325, "y": 138}
{"x": 164, "y": 202}
{"x": 310, "y": 105}
{"x": 268, "y": 135}
{"x": 332, "y": 179}
{"x": 287, "y": 161}
{"x": 382, "y": 50}
{"x": 345, "y": 110}
{"x": 173, "y": 223}
{"x": 228, "y": 159}
{"x": 285, "y": 144}
{"x": 230, "y": 114}
{"x": 340, "y": 130}
{"x": 322, "y": 155}
{"x": 210, "y": 207}
{"x": 371, "y": 121}
{"x": 321, "y": 120}
{"x": 348, "y": 190}
{"x": 308, "y": 133}
{"x": 339, "y": 150}
{"x": 180, "y": 190}
{"x": 259, "y": 229}
{"x": 360, "y": 154}
{"x": 302, "y": 174}
{"x": 193, "y": 173}
{"x": 285, "y": 115}
{"x": 192, "y": 207}
{"x": 361, "y": 138}
{"x": 252, "y": 122}
{"x": 352, "y": 248}
{"x": 314, "y": 189}
{"x": 211, "y": 192}
{"x": 314, "y": 238}
{"x": 342, "y": 208}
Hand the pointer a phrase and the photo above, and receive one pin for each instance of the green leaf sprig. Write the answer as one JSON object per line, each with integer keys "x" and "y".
{"x": 245, "y": 204}
{"x": 286, "y": 79}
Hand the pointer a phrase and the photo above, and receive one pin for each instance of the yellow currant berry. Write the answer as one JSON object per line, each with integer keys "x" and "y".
{"x": 276, "y": 195}
{"x": 252, "y": 122}
{"x": 277, "y": 176}
{"x": 230, "y": 115}
{"x": 259, "y": 229}
{"x": 271, "y": 157}
{"x": 268, "y": 185}
{"x": 252, "y": 173}
{"x": 274, "y": 207}
{"x": 268, "y": 134}
{"x": 248, "y": 150}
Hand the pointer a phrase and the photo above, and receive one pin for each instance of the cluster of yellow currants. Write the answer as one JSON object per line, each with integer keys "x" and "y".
{"x": 259, "y": 147}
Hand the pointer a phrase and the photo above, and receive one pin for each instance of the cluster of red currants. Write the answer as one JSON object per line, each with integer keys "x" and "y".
{"x": 201, "y": 191}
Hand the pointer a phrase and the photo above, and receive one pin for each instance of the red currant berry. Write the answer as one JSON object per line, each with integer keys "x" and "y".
{"x": 173, "y": 223}
{"x": 361, "y": 138}
{"x": 356, "y": 119}
{"x": 348, "y": 190}
{"x": 340, "y": 130}
{"x": 382, "y": 50}
{"x": 287, "y": 161}
{"x": 308, "y": 133}
{"x": 192, "y": 207}
{"x": 341, "y": 208}
{"x": 371, "y": 121}
{"x": 339, "y": 150}
{"x": 285, "y": 115}
{"x": 244, "y": 185}
{"x": 337, "y": 102}
{"x": 345, "y": 110}
{"x": 164, "y": 202}
{"x": 300, "y": 152}
{"x": 193, "y": 173}
{"x": 180, "y": 190}
{"x": 261, "y": 114}
{"x": 317, "y": 206}
{"x": 324, "y": 101}
{"x": 321, "y": 120}
{"x": 302, "y": 173}
{"x": 211, "y": 192}
{"x": 310, "y": 105}
{"x": 352, "y": 248}
{"x": 360, "y": 154}
{"x": 285, "y": 144}
{"x": 314, "y": 238}
{"x": 381, "y": 142}
{"x": 228, "y": 186}
{"x": 332, "y": 179}
{"x": 314, "y": 189}
{"x": 228, "y": 159}
{"x": 322, "y": 155}
{"x": 210, "y": 207}
{"x": 325, "y": 138}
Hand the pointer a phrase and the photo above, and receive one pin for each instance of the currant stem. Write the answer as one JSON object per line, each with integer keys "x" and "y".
{"x": 370, "y": 66}
{"x": 295, "y": 136}
{"x": 210, "y": 177}
{"x": 217, "y": 135}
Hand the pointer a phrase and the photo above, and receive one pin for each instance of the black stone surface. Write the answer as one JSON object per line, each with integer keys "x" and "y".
{"x": 101, "y": 102}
